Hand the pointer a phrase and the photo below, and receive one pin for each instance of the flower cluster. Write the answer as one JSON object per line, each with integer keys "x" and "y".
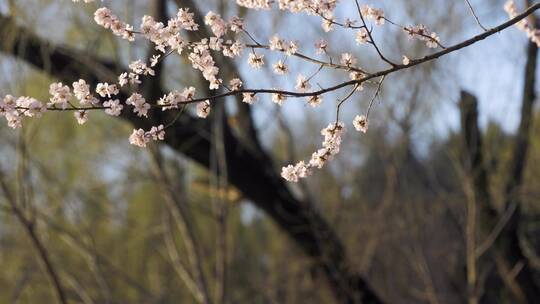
{"x": 200, "y": 55}
{"x": 81, "y": 90}
{"x": 323, "y": 8}
{"x": 309, "y": 6}
{"x": 370, "y": 13}
{"x": 525, "y": 25}
{"x": 60, "y": 95}
{"x": 140, "y": 138}
{"x": 255, "y": 4}
{"x": 175, "y": 98}
{"x": 422, "y": 33}
{"x": 14, "y": 109}
{"x": 249, "y": 98}
{"x": 360, "y": 123}
{"x": 277, "y": 44}
{"x": 140, "y": 106}
{"x": 203, "y": 109}
{"x": 104, "y": 17}
{"x": 332, "y": 141}
{"x": 362, "y": 36}
{"x": 167, "y": 38}
{"x": 106, "y": 90}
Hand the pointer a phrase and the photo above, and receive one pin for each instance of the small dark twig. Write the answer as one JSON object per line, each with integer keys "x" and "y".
{"x": 474, "y": 15}
{"x": 371, "y": 36}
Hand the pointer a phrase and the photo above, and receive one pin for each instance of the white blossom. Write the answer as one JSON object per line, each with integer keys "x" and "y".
{"x": 302, "y": 84}
{"x": 157, "y": 133}
{"x": 81, "y": 116}
{"x": 114, "y": 108}
{"x": 140, "y": 106}
{"x": 278, "y": 98}
{"x": 362, "y": 36}
{"x": 370, "y": 13}
{"x": 256, "y": 61}
{"x": 314, "y": 100}
{"x": 360, "y": 123}
{"x": 280, "y": 68}
{"x": 106, "y": 90}
{"x": 406, "y": 60}
{"x": 321, "y": 46}
{"x": 249, "y": 98}
{"x": 203, "y": 109}
{"x": 235, "y": 84}
{"x": 60, "y": 95}
{"x": 138, "y": 138}
{"x": 347, "y": 59}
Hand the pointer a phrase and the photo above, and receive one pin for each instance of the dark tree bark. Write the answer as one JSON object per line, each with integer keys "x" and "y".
{"x": 508, "y": 242}
{"x": 505, "y": 252}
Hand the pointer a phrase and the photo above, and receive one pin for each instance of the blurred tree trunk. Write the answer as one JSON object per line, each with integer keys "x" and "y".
{"x": 500, "y": 232}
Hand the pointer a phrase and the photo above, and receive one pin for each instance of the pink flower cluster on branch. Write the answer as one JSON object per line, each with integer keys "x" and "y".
{"x": 332, "y": 141}
{"x": 226, "y": 40}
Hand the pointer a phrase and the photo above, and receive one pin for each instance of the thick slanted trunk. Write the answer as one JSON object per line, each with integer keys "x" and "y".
{"x": 251, "y": 172}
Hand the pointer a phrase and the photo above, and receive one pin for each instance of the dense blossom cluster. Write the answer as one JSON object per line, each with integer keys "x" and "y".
{"x": 9, "y": 106}
{"x": 225, "y": 38}
{"x": 140, "y": 138}
{"x": 295, "y": 6}
{"x": 108, "y": 20}
{"x": 422, "y": 33}
{"x": 330, "y": 146}
{"x": 175, "y": 98}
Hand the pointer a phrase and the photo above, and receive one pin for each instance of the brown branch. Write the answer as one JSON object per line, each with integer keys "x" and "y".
{"x": 29, "y": 227}
{"x": 94, "y": 256}
{"x": 411, "y": 32}
{"x": 180, "y": 216}
{"x": 371, "y": 40}
{"x": 179, "y": 267}
{"x": 471, "y": 9}
{"x": 508, "y": 242}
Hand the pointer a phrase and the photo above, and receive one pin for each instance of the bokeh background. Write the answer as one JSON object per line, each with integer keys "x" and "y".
{"x": 437, "y": 203}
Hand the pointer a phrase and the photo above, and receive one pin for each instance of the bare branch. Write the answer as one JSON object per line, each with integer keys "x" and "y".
{"x": 29, "y": 227}
{"x": 474, "y": 15}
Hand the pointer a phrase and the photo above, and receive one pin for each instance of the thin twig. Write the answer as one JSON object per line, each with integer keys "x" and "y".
{"x": 338, "y": 108}
{"x": 371, "y": 36}
{"x": 29, "y": 227}
{"x": 379, "y": 86}
{"x": 474, "y": 15}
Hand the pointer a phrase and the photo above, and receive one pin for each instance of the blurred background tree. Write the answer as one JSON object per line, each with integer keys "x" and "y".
{"x": 436, "y": 204}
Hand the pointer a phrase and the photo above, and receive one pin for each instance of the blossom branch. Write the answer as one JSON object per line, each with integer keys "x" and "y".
{"x": 167, "y": 39}
{"x": 418, "y": 31}
{"x": 371, "y": 40}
